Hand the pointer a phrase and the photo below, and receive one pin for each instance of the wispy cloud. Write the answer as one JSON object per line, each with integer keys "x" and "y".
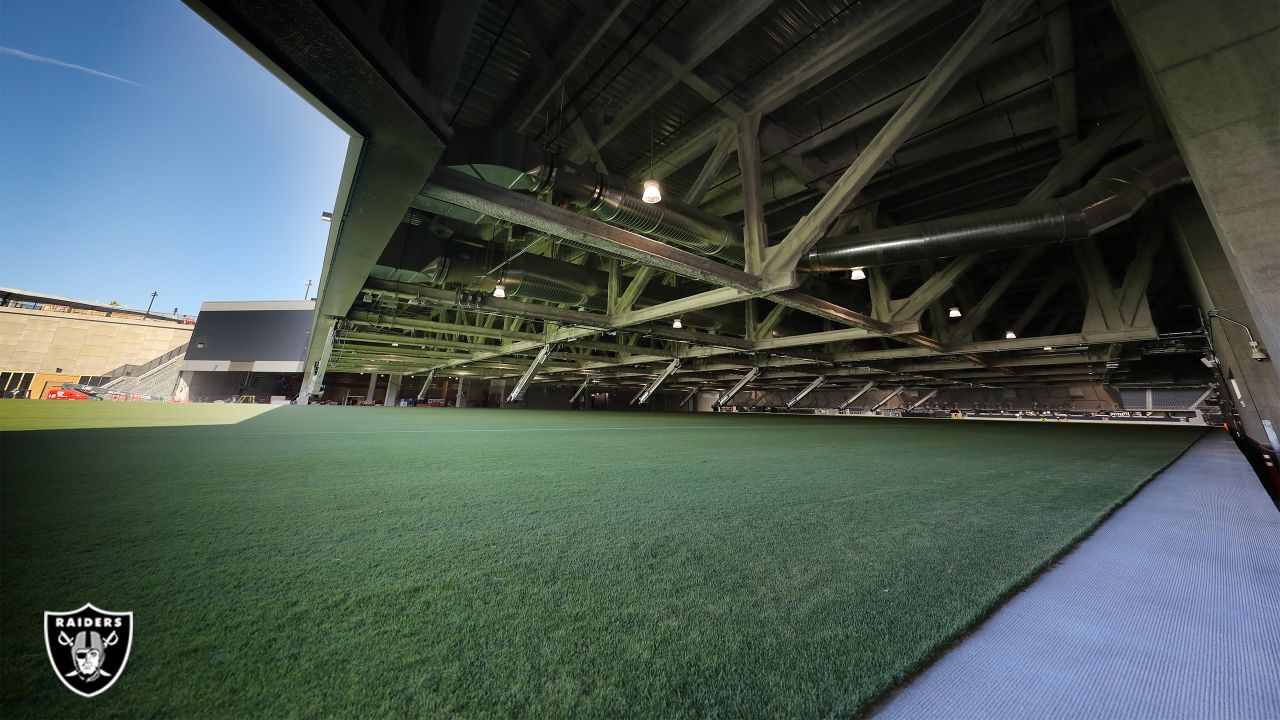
{"x": 70, "y": 66}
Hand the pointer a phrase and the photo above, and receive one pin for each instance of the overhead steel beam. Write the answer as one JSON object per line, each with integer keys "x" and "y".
{"x": 581, "y": 389}
{"x": 885, "y": 400}
{"x": 523, "y": 383}
{"x": 725, "y": 398}
{"x": 783, "y": 258}
{"x": 599, "y": 25}
{"x": 652, "y": 387}
{"x": 685, "y": 400}
{"x": 924, "y": 399}
{"x": 727, "y": 143}
{"x": 453, "y": 187}
{"x": 426, "y": 384}
{"x": 854, "y": 397}
{"x": 817, "y": 383}
{"x": 314, "y": 380}
{"x": 715, "y": 32}
{"x": 755, "y": 237}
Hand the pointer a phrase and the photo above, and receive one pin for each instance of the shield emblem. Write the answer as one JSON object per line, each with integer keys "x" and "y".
{"x": 88, "y": 647}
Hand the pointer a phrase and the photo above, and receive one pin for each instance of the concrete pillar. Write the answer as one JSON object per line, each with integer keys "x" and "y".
{"x": 1214, "y": 70}
{"x": 1214, "y": 285}
{"x": 498, "y": 389}
{"x": 462, "y": 394}
{"x": 373, "y": 387}
{"x": 393, "y": 390}
{"x": 182, "y": 391}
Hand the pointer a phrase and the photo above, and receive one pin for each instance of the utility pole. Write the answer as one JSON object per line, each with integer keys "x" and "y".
{"x": 307, "y": 293}
{"x": 153, "y": 302}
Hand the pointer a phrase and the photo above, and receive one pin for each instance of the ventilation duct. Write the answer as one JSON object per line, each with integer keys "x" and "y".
{"x": 509, "y": 160}
{"x": 1111, "y": 197}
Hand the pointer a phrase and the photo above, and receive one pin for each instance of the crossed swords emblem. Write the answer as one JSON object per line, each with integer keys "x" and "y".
{"x": 107, "y": 642}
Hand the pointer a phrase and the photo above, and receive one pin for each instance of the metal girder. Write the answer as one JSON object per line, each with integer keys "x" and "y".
{"x": 591, "y": 20}
{"x": 783, "y": 257}
{"x": 532, "y": 36}
{"x": 1081, "y": 157}
{"x": 817, "y": 383}
{"x": 976, "y": 314}
{"x": 778, "y": 87}
{"x": 854, "y": 397}
{"x": 716, "y": 31}
{"x": 727, "y": 143}
{"x": 685, "y": 400}
{"x": 755, "y": 236}
{"x": 924, "y": 399}
{"x": 643, "y": 396}
{"x": 453, "y": 187}
{"x": 725, "y": 398}
{"x": 885, "y": 400}
{"x": 676, "y": 308}
{"x": 581, "y": 389}
{"x": 426, "y": 384}
{"x": 314, "y": 379}
{"x": 523, "y": 383}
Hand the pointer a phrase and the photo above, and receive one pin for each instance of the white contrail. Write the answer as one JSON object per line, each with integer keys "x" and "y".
{"x": 69, "y": 66}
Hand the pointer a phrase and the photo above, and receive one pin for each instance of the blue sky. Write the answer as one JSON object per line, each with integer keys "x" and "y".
{"x": 192, "y": 171}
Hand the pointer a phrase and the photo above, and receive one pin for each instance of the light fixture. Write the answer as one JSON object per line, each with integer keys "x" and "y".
{"x": 326, "y": 216}
{"x": 954, "y": 312}
{"x": 499, "y": 290}
{"x": 1010, "y": 335}
{"x": 677, "y": 324}
{"x": 652, "y": 192}
{"x": 395, "y": 344}
{"x": 1048, "y": 348}
{"x": 858, "y": 274}
{"x": 368, "y": 297}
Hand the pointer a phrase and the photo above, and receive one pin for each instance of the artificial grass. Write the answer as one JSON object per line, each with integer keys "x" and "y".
{"x": 484, "y": 563}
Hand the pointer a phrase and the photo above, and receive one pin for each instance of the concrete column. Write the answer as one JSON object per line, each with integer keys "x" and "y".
{"x": 373, "y": 387}
{"x": 1214, "y": 285}
{"x": 393, "y": 390}
{"x": 1215, "y": 72}
{"x": 182, "y": 391}
{"x": 462, "y": 393}
{"x": 498, "y": 389}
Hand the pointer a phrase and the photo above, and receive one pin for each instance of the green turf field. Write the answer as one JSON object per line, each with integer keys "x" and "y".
{"x": 366, "y": 562}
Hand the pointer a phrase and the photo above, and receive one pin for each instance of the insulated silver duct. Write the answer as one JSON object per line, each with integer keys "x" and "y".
{"x": 509, "y": 160}
{"x": 1111, "y": 197}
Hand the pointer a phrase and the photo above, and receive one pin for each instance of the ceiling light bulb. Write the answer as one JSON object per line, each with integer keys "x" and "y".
{"x": 499, "y": 290}
{"x": 858, "y": 274}
{"x": 676, "y": 324}
{"x": 1010, "y": 335}
{"x": 652, "y": 192}
{"x": 395, "y": 344}
{"x": 954, "y": 312}
{"x": 1048, "y": 347}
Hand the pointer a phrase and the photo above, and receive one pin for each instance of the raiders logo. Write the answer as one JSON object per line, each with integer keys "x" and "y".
{"x": 88, "y": 647}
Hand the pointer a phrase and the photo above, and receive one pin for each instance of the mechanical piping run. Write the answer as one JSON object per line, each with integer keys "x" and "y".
{"x": 512, "y": 161}
{"x": 1111, "y": 197}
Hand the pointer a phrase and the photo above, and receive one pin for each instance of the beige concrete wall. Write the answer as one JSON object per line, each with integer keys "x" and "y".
{"x": 42, "y": 341}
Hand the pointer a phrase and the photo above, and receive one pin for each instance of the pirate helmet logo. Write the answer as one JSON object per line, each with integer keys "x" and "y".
{"x": 88, "y": 647}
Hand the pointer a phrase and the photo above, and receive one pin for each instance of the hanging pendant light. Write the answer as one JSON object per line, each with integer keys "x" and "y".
{"x": 652, "y": 192}
{"x": 954, "y": 312}
{"x": 1010, "y": 335}
{"x": 499, "y": 290}
{"x": 677, "y": 324}
{"x": 858, "y": 274}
